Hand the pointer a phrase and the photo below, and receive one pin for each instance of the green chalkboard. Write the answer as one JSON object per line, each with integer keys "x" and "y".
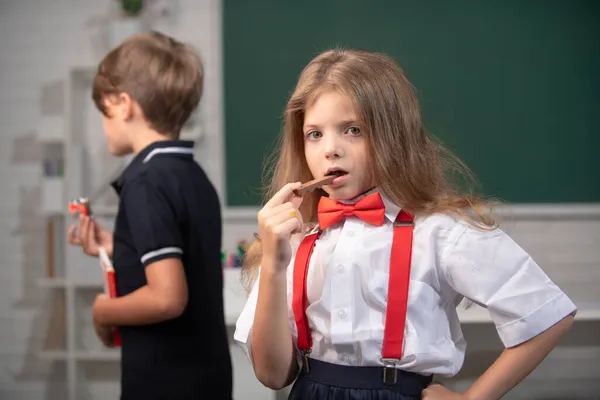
{"x": 512, "y": 87}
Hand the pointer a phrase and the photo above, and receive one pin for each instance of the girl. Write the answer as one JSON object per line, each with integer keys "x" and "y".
{"x": 360, "y": 301}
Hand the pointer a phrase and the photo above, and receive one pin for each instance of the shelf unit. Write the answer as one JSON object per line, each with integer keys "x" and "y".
{"x": 74, "y": 161}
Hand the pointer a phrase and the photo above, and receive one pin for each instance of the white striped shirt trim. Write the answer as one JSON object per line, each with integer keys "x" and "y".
{"x": 180, "y": 150}
{"x": 160, "y": 252}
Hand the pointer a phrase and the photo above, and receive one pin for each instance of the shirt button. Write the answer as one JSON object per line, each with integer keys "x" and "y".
{"x": 340, "y": 268}
{"x": 346, "y": 358}
{"x": 342, "y": 314}
{"x": 351, "y": 233}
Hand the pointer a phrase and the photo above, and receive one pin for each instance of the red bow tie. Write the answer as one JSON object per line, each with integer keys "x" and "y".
{"x": 370, "y": 209}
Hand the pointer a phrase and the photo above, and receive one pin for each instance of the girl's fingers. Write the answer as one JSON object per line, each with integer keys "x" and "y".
{"x": 282, "y": 214}
{"x": 296, "y": 201}
{"x": 266, "y": 213}
{"x": 288, "y": 226}
{"x": 283, "y": 195}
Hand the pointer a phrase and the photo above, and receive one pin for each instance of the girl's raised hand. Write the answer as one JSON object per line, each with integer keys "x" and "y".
{"x": 277, "y": 220}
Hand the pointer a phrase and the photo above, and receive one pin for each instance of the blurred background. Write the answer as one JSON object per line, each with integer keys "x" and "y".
{"x": 511, "y": 86}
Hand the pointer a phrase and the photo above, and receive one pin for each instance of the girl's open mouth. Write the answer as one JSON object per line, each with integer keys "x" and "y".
{"x": 341, "y": 176}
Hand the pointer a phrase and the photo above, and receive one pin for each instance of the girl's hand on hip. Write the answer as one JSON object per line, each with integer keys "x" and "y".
{"x": 438, "y": 392}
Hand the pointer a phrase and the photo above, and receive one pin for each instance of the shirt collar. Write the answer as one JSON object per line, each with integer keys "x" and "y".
{"x": 177, "y": 148}
{"x": 391, "y": 209}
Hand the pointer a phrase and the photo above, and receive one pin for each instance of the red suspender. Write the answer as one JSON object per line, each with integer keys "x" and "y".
{"x": 395, "y": 316}
{"x": 300, "y": 299}
{"x": 397, "y": 301}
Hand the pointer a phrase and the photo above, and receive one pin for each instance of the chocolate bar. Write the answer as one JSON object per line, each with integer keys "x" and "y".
{"x": 314, "y": 184}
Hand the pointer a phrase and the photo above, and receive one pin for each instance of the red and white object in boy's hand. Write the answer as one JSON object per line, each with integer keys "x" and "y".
{"x": 104, "y": 333}
{"x": 110, "y": 285}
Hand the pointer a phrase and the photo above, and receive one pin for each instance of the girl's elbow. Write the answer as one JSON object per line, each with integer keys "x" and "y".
{"x": 270, "y": 368}
{"x": 271, "y": 380}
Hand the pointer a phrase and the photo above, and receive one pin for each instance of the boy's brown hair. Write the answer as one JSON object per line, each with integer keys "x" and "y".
{"x": 164, "y": 76}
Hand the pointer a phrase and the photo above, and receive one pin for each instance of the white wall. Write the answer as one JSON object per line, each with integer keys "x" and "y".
{"x": 39, "y": 41}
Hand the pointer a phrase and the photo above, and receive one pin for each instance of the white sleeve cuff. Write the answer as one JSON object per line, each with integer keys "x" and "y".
{"x": 160, "y": 254}
{"x": 537, "y": 321}
{"x": 243, "y": 325}
{"x": 243, "y": 340}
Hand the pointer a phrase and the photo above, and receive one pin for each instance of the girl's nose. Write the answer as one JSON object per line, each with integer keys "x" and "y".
{"x": 333, "y": 148}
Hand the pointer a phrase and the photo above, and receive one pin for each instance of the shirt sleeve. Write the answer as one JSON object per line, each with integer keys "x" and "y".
{"x": 152, "y": 222}
{"x": 243, "y": 325}
{"x": 490, "y": 269}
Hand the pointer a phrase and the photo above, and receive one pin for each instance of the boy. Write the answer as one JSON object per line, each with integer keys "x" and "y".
{"x": 167, "y": 238}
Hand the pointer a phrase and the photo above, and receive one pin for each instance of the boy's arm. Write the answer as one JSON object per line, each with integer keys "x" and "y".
{"x": 164, "y": 297}
{"x": 150, "y": 210}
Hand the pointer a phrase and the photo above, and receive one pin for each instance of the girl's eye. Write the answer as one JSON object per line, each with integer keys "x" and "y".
{"x": 353, "y": 130}
{"x": 314, "y": 135}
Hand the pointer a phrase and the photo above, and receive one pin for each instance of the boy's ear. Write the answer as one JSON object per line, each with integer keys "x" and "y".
{"x": 126, "y": 106}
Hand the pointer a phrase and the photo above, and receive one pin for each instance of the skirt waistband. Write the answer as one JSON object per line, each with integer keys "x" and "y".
{"x": 397, "y": 380}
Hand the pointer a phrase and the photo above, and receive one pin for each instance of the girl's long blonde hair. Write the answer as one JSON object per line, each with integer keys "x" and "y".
{"x": 409, "y": 166}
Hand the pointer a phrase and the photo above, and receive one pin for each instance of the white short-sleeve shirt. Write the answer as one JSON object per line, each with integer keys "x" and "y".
{"x": 347, "y": 292}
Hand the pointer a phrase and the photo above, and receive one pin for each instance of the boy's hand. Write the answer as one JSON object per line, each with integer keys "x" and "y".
{"x": 105, "y": 333}
{"x": 90, "y": 236}
{"x": 277, "y": 220}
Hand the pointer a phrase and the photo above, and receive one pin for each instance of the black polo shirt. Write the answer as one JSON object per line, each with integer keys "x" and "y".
{"x": 169, "y": 208}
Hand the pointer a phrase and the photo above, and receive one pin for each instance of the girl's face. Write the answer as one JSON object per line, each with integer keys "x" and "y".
{"x": 335, "y": 143}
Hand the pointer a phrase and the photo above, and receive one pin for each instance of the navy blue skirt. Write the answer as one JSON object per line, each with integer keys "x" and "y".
{"x": 326, "y": 381}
